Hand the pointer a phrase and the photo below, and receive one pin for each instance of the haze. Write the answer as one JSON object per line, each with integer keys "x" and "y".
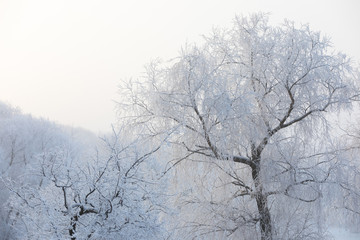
{"x": 63, "y": 60}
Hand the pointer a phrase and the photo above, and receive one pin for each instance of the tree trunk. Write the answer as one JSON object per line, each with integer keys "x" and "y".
{"x": 262, "y": 205}
{"x": 265, "y": 218}
{"x": 72, "y": 230}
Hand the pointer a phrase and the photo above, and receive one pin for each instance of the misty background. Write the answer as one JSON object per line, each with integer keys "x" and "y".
{"x": 63, "y": 60}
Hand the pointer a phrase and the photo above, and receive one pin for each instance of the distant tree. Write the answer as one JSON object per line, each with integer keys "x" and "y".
{"x": 111, "y": 195}
{"x": 22, "y": 138}
{"x": 341, "y": 200}
{"x": 252, "y": 102}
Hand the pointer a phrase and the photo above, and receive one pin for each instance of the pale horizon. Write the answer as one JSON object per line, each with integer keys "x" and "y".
{"x": 63, "y": 60}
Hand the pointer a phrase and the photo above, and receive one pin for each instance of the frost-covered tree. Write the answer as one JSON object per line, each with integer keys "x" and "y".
{"x": 110, "y": 195}
{"x": 62, "y": 183}
{"x": 22, "y": 138}
{"x": 248, "y": 110}
{"x": 341, "y": 201}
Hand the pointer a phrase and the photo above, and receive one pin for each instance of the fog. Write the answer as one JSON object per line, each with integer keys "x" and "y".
{"x": 63, "y": 60}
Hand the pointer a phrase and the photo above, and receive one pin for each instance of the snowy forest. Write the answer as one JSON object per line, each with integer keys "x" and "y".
{"x": 250, "y": 135}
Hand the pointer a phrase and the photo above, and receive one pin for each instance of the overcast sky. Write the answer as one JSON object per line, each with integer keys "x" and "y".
{"x": 63, "y": 59}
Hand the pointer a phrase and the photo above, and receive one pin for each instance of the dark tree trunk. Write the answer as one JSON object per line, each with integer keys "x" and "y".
{"x": 72, "y": 230}
{"x": 262, "y": 205}
{"x": 265, "y": 218}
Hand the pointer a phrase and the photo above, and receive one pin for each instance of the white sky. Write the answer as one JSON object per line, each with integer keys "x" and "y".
{"x": 63, "y": 59}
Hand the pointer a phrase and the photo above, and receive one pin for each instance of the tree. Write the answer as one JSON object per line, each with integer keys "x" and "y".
{"x": 256, "y": 96}
{"x": 341, "y": 202}
{"x": 109, "y": 195}
{"x": 22, "y": 138}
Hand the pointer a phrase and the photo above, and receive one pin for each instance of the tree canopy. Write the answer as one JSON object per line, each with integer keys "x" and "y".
{"x": 256, "y": 95}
